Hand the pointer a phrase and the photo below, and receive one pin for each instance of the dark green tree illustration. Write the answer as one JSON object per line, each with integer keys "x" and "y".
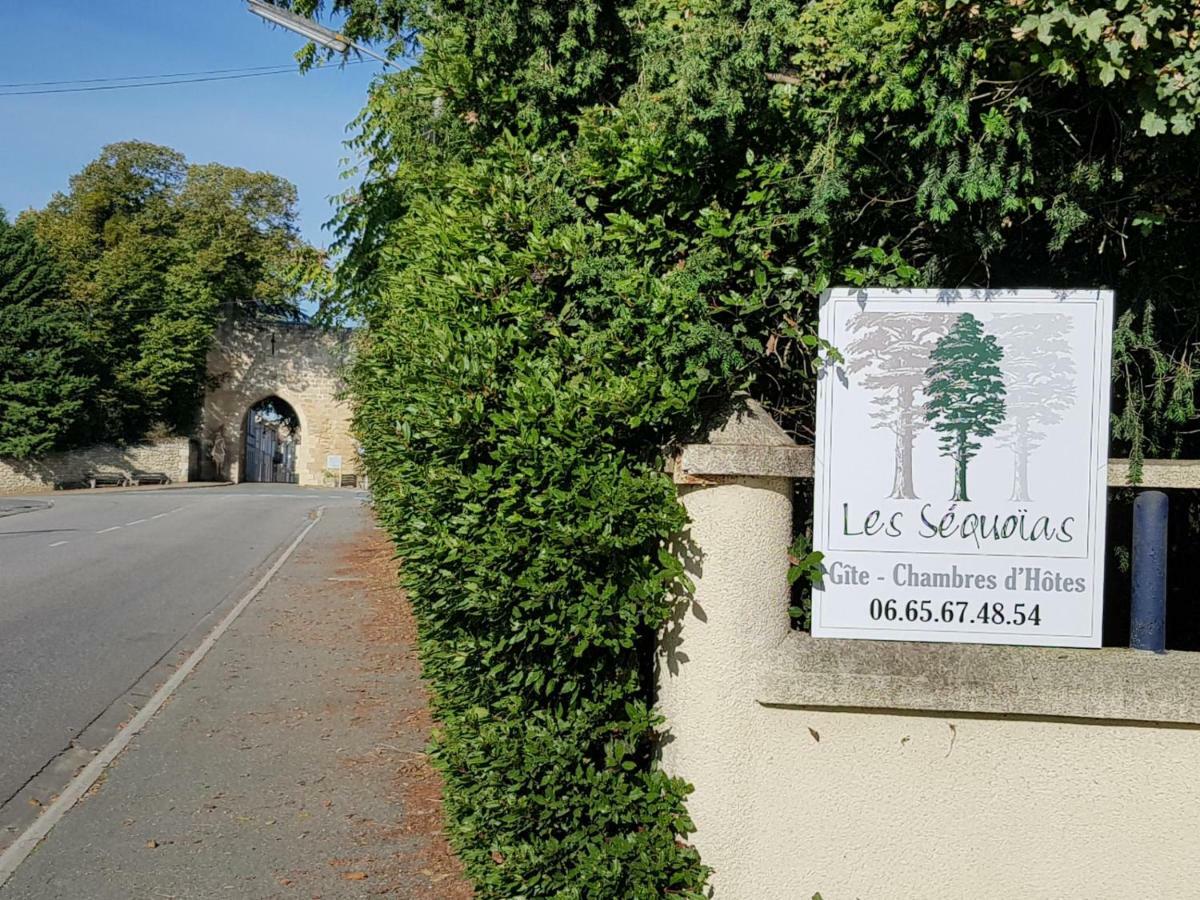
{"x": 966, "y": 393}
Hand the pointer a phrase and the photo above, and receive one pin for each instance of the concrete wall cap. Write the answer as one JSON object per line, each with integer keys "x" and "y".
{"x": 748, "y": 443}
{"x": 1113, "y": 684}
{"x": 749, "y": 424}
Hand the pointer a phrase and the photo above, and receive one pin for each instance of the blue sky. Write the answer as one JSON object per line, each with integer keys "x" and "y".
{"x": 289, "y": 124}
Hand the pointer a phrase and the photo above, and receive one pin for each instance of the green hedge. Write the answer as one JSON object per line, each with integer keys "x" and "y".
{"x": 583, "y": 226}
{"x": 514, "y": 438}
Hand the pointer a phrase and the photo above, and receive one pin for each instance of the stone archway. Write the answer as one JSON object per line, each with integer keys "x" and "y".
{"x": 270, "y": 443}
{"x": 296, "y": 364}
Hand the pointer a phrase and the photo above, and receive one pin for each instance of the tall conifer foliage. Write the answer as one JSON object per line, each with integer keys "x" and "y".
{"x": 44, "y": 379}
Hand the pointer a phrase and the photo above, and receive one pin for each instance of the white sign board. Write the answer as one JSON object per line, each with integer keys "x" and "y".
{"x": 960, "y": 466}
{"x": 333, "y": 462}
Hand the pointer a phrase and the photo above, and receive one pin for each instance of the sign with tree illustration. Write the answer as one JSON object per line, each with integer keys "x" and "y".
{"x": 960, "y": 465}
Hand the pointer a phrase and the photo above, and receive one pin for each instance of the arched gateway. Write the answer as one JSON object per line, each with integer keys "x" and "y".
{"x": 272, "y": 437}
{"x": 273, "y": 411}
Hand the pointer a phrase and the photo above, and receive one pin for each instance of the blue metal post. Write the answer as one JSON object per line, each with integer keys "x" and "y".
{"x": 1148, "y": 610}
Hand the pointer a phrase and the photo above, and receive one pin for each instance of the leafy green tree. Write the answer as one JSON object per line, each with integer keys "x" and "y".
{"x": 795, "y": 145}
{"x": 155, "y": 253}
{"x": 966, "y": 393}
{"x": 44, "y": 383}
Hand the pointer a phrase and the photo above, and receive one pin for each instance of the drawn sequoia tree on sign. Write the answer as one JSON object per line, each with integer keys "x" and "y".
{"x": 966, "y": 393}
{"x": 893, "y": 350}
{"x": 1039, "y": 378}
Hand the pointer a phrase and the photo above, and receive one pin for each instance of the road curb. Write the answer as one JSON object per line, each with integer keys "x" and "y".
{"x": 141, "y": 488}
{"x": 147, "y": 488}
{"x": 23, "y": 506}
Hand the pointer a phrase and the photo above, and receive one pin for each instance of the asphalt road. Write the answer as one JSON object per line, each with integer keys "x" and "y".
{"x": 103, "y": 590}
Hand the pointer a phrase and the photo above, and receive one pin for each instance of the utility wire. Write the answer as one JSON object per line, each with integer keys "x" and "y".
{"x": 122, "y": 87}
{"x": 144, "y": 84}
{"x": 26, "y": 84}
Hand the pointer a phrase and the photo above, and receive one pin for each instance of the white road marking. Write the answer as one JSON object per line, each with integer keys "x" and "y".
{"x": 107, "y": 530}
{"x": 135, "y": 522}
{"x": 159, "y": 516}
{"x": 59, "y": 543}
{"x": 19, "y": 849}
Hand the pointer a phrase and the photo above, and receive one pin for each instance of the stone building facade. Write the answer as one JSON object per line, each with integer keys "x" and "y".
{"x": 294, "y": 366}
{"x": 298, "y": 364}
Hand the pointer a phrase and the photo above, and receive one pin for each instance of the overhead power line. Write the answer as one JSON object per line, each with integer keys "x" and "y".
{"x": 284, "y": 70}
{"x": 31, "y": 84}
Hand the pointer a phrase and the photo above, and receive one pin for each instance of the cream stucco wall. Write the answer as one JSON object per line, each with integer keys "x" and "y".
{"x": 297, "y": 363}
{"x": 862, "y": 804}
{"x": 736, "y": 555}
{"x": 897, "y": 806}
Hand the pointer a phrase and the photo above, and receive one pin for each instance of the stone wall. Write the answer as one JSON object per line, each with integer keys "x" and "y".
{"x": 35, "y": 476}
{"x": 300, "y": 365}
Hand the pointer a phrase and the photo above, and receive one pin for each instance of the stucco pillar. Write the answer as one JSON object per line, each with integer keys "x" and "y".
{"x": 737, "y": 490}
